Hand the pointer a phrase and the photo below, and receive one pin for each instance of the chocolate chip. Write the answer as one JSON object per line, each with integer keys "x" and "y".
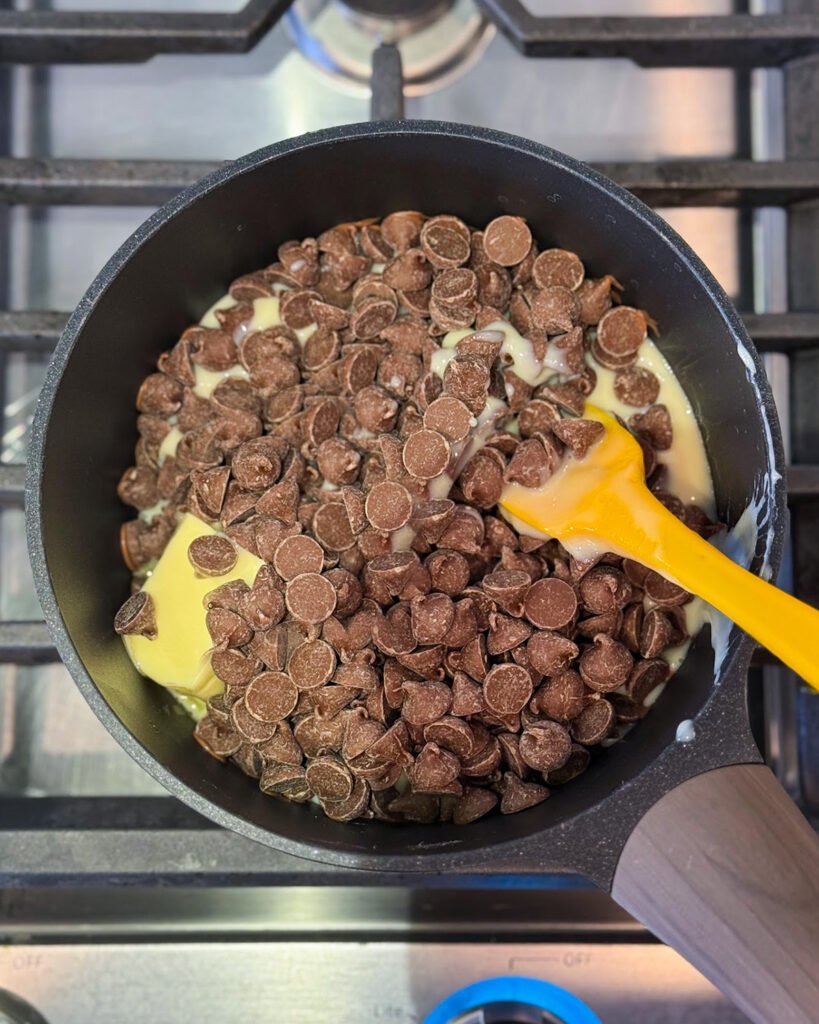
{"x": 255, "y": 465}
{"x": 212, "y": 555}
{"x": 287, "y": 781}
{"x": 467, "y": 696}
{"x": 578, "y": 762}
{"x": 331, "y": 526}
{"x": 232, "y": 667}
{"x": 621, "y": 331}
{"x": 531, "y": 465}
{"x": 432, "y": 617}
{"x": 464, "y": 532}
{"x": 386, "y": 575}
{"x": 330, "y": 700}
{"x": 464, "y": 626}
{"x": 220, "y": 741}
{"x": 506, "y": 689}
{"x": 320, "y": 350}
{"x": 580, "y": 435}
{"x": 538, "y": 417}
{"x": 555, "y": 309}
{"x": 475, "y": 803}
{"x": 505, "y": 633}
{"x": 545, "y": 746}
{"x": 310, "y": 597}
{"x": 329, "y": 778}
{"x": 606, "y": 665}
{"x": 352, "y": 807}
{"x": 609, "y": 623}
{"x": 227, "y": 627}
{"x": 558, "y": 267}
{"x": 420, "y": 807}
{"x": 466, "y": 377}
{"x": 402, "y": 230}
{"x": 486, "y": 755}
{"x": 137, "y": 617}
{"x": 338, "y": 461}
{"x": 655, "y": 634}
{"x": 518, "y": 795}
{"x": 372, "y": 316}
{"x": 297, "y": 555}
{"x": 632, "y": 626}
{"x": 425, "y": 702}
{"x": 654, "y": 425}
{"x": 392, "y": 633}
{"x": 452, "y": 734}
{"x": 605, "y": 589}
{"x": 408, "y": 272}
{"x": 388, "y": 506}
{"x": 594, "y": 723}
{"x": 312, "y": 665}
{"x": 506, "y": 240}
{"x": 320, "y": 421}
{"x": 426, "y": 454}
{"x": 448, "y": 416}
{"x": 636, "y": 386}
{"x": 317, "y": 736}
{"x": 138, "y": 487}
{"x": 448, "y": 570}
{"x": 445, "y": 241}
{"x": 507, "y": 588}
{"x": 349, "y": 591}
{"x": 550, "y": 604}
{"x": 227, "y": 595}
{"x": 271, "y": 696}
{"x": 663, "y": 592}
{"x": 481, "y": 480}
{"x": 249, "y": 727}
{"x": 159, "y": 395}
{"x": 562, "y": 697}
{"x": 209, "y": 488}
{"x": 300, "y": 259}
{"x": 645, "y": 677}
{"x": 375, "y": 409}
{"x": 435, "y": 770}
{"x": 550, "y": 653}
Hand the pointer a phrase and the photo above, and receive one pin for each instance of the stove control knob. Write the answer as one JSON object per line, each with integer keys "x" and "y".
{"x": 512, "y": 1000}
{"x": 14, "y": 1010}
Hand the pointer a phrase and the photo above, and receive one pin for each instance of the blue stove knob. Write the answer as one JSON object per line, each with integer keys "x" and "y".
{"x": 512, "y": 1000}
{"x": 14, "y": 1010}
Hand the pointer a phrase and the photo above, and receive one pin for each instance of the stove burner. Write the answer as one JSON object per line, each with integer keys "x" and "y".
{"x": 439, "y": 40}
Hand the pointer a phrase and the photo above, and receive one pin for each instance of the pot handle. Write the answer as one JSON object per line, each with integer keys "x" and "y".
{"x": 725, "y": 870}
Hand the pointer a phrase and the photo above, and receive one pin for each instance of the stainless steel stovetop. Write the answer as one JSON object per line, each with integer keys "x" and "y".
{"x": 116, "y": 902}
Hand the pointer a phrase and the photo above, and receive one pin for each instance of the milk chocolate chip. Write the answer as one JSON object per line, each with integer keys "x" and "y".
{"x": 212, "y": 555}
{"x": 310, "y": 597}
{"x": 137, "y": 616}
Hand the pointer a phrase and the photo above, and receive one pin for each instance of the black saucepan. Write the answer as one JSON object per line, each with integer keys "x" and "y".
{"x": 713, "y": 858}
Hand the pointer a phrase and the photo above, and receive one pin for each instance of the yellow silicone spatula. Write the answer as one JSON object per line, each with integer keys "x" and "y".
{"x": 603, "y": 500}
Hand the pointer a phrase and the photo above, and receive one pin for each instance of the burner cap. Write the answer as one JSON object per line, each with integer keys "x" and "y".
{"x": 438, "y": 39}
{"x": 399, "y": 9}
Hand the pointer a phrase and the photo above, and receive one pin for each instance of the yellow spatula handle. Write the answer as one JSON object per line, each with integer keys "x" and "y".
{"x": 787, "y": 627}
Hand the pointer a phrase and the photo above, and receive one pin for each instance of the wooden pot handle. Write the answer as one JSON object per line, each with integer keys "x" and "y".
{"x": 725, "y": 870}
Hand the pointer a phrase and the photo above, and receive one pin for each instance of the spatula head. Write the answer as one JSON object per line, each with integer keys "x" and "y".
{"x": 580, "y": 496}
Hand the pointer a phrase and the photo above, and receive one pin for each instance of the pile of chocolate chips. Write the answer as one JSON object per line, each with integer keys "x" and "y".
{"x": 404, "y": 654}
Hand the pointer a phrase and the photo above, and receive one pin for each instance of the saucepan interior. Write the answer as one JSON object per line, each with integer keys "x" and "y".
{"x": 181, "y": 261}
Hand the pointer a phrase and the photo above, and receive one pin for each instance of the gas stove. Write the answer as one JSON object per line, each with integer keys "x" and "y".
{"x": 115, "y": 900}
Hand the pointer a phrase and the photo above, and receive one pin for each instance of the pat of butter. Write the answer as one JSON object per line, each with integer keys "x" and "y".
{"x": 178, "y": 657}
